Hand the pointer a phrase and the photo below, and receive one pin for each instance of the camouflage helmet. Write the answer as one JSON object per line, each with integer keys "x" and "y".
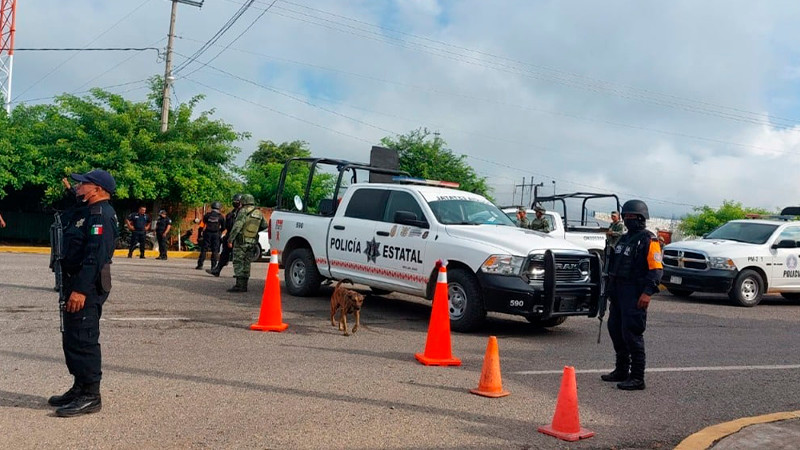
{"x": 248, "y": 199}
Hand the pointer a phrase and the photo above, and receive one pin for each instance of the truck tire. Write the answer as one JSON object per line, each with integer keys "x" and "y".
{"x": 678, "y": 292}
{"x": 466, "y": 302}
{"x": 748, "y": 289}
{"x": 791, "y": 295}
{"x": 546, "y": 323}
{"x": 255, "y": 254}
{"x": 377, "y": 291}
{"x": 300, "y": 273}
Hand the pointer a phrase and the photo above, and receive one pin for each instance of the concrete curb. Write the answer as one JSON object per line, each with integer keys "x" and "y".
{"x": 119, "y": 252}
{"x": 706, "y": 437}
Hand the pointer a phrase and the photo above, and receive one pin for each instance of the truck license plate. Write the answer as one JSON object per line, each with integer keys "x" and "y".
{"x": 675, "y": 280}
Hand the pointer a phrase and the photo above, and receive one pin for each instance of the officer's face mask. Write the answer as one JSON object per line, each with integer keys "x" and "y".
{"x": 634, "y": 223}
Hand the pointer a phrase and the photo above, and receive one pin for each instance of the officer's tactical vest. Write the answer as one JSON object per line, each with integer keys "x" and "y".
{"x": 252, "y": 223}
{"x": 625, "y": 253}
{"x": 214, "y": 222}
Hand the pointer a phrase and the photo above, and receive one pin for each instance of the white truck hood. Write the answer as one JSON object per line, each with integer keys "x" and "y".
{"x": 510, "y": 240}
{"x": 714, "y": 247}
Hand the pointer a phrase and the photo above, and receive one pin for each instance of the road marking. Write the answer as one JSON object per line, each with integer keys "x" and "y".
{"x": 670, "y": 369}
{"x": 143, "y": 319}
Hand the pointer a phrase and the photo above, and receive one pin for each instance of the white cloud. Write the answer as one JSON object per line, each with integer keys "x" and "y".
{"x": 574, "y": 96}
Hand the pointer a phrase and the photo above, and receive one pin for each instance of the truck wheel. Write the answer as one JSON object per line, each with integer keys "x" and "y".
{"x": 377, "y": 291}
{"x": 547, "y": 323}
{"x": 466, "y": 303}
{"x": 678, "y": 292}
{"x": 301, "y": 275}
{"x": 747, "y": 289}
{"x": 791, "y": 295}
{"x": 255, "y": 254}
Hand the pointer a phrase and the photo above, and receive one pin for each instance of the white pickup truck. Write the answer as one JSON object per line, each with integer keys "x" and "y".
{"x": 590, "y": 238}
{"x": 389, "y": 236}
{"x": 743, "y": 258}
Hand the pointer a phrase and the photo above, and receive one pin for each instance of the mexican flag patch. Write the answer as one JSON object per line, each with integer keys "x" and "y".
{"x": 97, "y": 229}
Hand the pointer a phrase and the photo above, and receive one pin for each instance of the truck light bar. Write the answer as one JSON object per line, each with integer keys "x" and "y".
{"x": 412, "y": 180}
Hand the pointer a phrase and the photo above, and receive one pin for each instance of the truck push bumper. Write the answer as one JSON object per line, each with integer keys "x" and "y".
{"x": 713, "y": 280}
{"x": 515, "y": 295}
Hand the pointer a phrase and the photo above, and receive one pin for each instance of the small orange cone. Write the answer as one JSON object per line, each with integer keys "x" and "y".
{"x": 437, "y": 346}
{"x": 566, "y": 424}
{"x": 491, "y": 384}
{"x": 269, "y": 319}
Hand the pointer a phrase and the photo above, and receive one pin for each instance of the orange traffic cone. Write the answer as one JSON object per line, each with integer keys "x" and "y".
{"x": 491, "y": 384}
{"x": 566, "y": 424}
{"x": 270, "y": 317}
{"x": 437, "y": 345}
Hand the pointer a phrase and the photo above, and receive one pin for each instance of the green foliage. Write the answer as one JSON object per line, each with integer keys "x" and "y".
{"x": 263, "y": 169}
{"x": 424, "y": 157}
{"x": 189, "y": 165}
{"x": 706, "y": 219}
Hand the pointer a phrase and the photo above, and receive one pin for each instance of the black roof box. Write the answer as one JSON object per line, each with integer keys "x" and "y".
{"x": 791, "y": 211}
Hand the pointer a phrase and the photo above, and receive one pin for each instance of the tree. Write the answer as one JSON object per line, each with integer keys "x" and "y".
{"x": 263, "y": 169}
{"x": 706, "y": 219}
{"x": 428, "y": 158}
{"x": 189, "y": 165}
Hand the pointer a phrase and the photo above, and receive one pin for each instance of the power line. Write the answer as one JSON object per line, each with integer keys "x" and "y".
{"x": 235, "y": 39}
{"x": 395, "y": 133}
{"x": 116, "y": 65}
{"x": 35, "y": 83}
{"x": 82, "y": 92}
{"x": 564, "y": 78}
{"x": 87, "y": 49}
{"x": 213, "y": 39}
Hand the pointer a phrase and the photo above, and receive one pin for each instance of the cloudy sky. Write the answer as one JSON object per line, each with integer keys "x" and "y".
{"x": 680, "y": 103}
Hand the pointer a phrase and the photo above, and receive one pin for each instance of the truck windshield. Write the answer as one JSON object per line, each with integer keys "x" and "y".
{"x": 468, "y": 212}
{"x": 751, "y": 233}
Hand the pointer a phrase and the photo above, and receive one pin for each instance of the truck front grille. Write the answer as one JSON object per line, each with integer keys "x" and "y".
{"x": 685, "y": 259}
{"x": 570, "y": 268}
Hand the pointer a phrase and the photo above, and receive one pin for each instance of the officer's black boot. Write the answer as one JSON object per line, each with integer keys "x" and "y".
{"x": 87, "y": 402}
{"x": 67, "y": 397}
{"x": 621, "y": 370}
{"x": 240, "y": 286}
{"x": 635, "y": 381}
{"x": 215, "y": 270}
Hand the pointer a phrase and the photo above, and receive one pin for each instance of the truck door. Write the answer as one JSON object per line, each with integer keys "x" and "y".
{"x": 351, "y": 253}
{"x": 401, "y": 246}
{"x": 786, "y": 261}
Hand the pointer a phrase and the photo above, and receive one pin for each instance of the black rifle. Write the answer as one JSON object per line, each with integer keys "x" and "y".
{"x": 601, "y": 311}
{"x": 56, "y": 255}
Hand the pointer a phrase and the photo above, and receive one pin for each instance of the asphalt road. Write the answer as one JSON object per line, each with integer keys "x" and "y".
{"x": 182, "y": 370}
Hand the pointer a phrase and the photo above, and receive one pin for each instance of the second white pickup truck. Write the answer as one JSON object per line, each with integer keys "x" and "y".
{"x": 389, "y": 236}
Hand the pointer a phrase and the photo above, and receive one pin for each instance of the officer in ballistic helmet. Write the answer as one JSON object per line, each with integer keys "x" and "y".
{"x": 236, "y": 201}
{"x": 634, "y": 275}
{"x": 213, "y": 223}
{"x": 243, "y": 237}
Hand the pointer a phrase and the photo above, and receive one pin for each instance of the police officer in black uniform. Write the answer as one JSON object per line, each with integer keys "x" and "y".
{"x": 236, "y": 201}
{"x": 213, "y": 224}
{"x": 139, "y": 224}
{"x": 163, "y": 225}
{"x": 634, "y": 275}
{"x": 88, "y": 246}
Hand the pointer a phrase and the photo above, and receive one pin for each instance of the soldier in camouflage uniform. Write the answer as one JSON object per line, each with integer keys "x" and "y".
{"x": 522, "y": 218}
{"x": 615, "y": 230}
{"x": 540, "y": 223}
{"x": 243, "y": 237}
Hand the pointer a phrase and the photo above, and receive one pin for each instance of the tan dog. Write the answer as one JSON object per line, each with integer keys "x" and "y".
{"x": 347, "y": 302}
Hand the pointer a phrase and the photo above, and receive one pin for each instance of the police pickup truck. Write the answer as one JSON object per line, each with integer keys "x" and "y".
{"x": 743, "y": 258}
{"x": 390, "y": 236}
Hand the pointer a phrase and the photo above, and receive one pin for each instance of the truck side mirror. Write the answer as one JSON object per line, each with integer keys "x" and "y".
{"x": 409, "y": 218}
{"x": 786, "y": 243}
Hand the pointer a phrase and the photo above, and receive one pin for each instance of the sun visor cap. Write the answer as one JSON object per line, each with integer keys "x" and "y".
{"x": 98, "y": 177}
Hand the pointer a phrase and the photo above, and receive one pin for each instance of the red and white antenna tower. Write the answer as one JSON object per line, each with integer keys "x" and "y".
{"x": 8, "y": 14}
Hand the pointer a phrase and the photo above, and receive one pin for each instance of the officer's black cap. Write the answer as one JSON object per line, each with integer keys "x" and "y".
{"x": 98, "y": 177}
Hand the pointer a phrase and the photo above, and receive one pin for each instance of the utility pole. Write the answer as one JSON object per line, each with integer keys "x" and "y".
{"x": 523, "y": 187}
{"x": 168, "y": 78}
